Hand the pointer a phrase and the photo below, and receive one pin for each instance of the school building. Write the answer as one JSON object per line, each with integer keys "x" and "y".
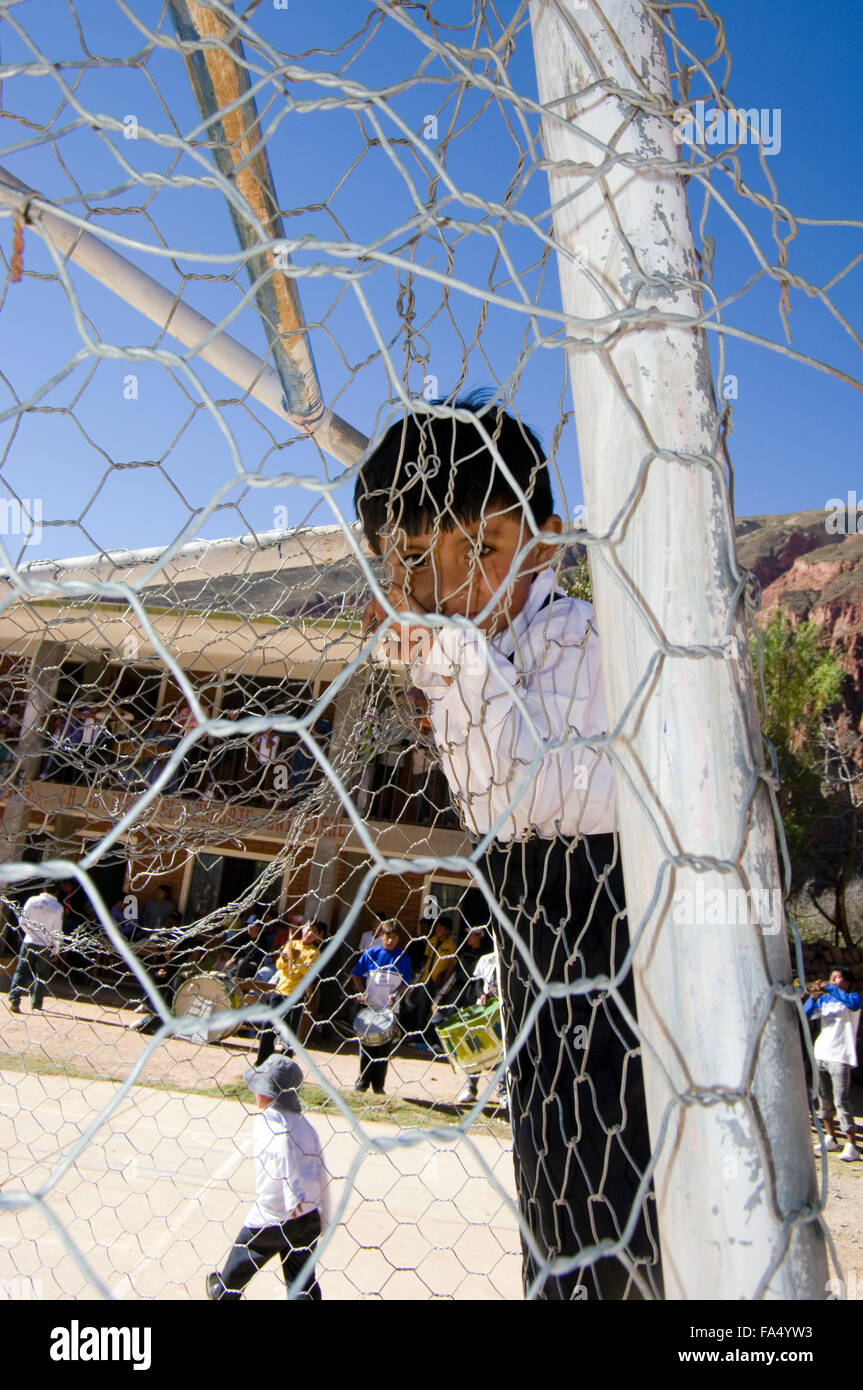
{"x": 96, "y": 687}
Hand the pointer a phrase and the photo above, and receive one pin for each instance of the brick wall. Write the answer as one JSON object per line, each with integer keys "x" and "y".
{"x": 396, "y": 895}
{"x": 145, "y": 877}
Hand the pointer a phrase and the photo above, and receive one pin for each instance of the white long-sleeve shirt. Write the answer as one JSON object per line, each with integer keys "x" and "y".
{"x": 549, "y": 654}
{"x": 485, "y": 973}
{"x": 291, "y": 1178}
{"x": 42, "y": 920}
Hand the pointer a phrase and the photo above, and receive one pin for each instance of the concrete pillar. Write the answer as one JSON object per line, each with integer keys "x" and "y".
{"x": 42, "y": 681}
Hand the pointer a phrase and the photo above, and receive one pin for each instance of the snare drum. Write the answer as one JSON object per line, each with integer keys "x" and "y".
{"x": 473, "y": 1038}
{"x": 375, "y": 1026}
{"x": 201, "y": 996}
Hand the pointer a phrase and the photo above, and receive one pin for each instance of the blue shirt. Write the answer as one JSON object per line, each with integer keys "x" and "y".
{"x": 379, "y": 958}
{"x": 851, "y": 1000}
{"x": 839, "y": 1011}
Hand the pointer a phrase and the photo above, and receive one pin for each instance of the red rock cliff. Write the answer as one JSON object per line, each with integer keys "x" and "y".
{"x": 812, "y": 573}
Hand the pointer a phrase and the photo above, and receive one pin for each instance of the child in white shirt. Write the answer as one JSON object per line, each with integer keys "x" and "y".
{"x": 291, "y": 1184}
{"x": 517, "y": 707}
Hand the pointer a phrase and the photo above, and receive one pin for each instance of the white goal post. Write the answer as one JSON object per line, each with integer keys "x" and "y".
{"x": 723, "y": 1062}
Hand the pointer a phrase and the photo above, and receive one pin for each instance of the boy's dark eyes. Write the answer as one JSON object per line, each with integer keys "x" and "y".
{"x": 417, "y": 559}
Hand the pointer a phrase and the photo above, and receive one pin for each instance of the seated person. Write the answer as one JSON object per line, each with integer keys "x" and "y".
{"x": 249, "y": 952}
{"x": 159, "y": 908}
{"x": 125, "y": 914}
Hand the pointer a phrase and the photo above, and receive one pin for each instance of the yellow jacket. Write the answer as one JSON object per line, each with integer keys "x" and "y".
{"x": 295, "y": 961}
{"x": 437, "y": 960}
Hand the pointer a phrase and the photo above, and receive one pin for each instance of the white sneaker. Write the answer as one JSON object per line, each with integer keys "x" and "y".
{"x": 468, "y": 1095}
{"x": 830, "y": 1145}
{"x": 850, "y": 1153}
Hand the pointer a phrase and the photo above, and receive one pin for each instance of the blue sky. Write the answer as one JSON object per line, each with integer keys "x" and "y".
{"x": 112, "y": 471}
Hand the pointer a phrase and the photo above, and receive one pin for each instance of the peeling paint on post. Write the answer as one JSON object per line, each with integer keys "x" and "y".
{"x": 689, "y": 753}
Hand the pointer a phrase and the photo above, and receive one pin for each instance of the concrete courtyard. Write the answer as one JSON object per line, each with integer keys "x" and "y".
{"x": 144, "y": 1191}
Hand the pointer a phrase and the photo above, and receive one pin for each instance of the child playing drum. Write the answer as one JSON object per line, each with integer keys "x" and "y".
{"x": 296, "y": 959}
{"x": 380, "y": 976}
{"x": 486, "y": 988}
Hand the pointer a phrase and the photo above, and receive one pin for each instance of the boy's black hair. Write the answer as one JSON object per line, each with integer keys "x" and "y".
{"x": 432, "y": 472}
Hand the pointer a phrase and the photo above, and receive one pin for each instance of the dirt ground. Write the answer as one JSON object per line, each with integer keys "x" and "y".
{"x": 844, "y": 1210}
{"x": 99, "y": 1039}
{"x": 93, "y": 1041}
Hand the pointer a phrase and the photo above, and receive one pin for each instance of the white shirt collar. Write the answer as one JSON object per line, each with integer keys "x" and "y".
{"x": 515, "y": 631}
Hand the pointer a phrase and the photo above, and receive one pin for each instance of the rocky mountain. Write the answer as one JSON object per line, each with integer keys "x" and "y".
{"x": 813, "y": 572}
{"x": 810, "y": 570}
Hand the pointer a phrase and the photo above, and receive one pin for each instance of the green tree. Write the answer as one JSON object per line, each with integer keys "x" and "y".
{"x": 577, "y": 582}
{"x": 839, "y": 828}
{"x": 802, "y": 680}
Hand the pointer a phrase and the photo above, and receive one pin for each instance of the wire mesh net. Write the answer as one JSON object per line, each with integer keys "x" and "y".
{"x": 233, "y": 761}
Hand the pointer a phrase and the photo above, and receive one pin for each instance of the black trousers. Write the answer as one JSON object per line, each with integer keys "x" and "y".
{"x": 268, "y": 1034}
{"x": 291, "y": 1241}
{"x": 416, "y": 1008}
{"x": 33, "y": 970}
{"x": 579, "y": 1123}
{"x": 374, "y": 1061}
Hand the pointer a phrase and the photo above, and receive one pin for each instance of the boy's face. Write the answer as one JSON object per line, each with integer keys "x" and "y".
{"x": 458, "y": 572}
